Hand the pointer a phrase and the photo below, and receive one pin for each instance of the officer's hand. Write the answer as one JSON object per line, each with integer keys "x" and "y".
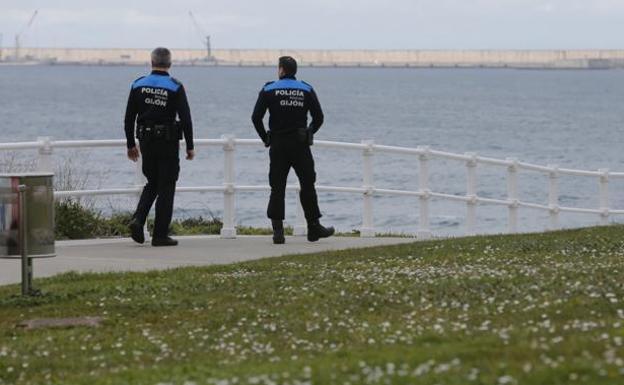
{"x": 190, "y": 154}
{"x": 133, "y": 154}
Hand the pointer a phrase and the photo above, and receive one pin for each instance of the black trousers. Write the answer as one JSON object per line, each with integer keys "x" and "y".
{"x": 161, "y": 167}
{"x": 287, "y": 152}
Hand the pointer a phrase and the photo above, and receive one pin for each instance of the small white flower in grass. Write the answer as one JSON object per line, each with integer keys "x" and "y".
{"x": 473, "y": 375}
{"x": 506, "y": 380}
{"x": 423, "y": 368}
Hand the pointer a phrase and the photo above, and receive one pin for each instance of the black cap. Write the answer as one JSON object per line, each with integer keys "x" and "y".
{"x": 289, "y": 65}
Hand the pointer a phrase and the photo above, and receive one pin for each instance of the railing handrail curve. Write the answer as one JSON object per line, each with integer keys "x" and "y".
{"x": 424, "y": 154}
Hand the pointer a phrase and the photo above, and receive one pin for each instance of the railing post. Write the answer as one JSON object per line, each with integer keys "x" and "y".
{"x": 139, "y": 179}
{"x": 604, "y": 196}
{"x": 471, "y": 194}
{"x": 368, "y": 229}
{"x": 424, "y": 231}
{"x": 512, "y": 195}
{"x": 45, "y": 161}
{"x": 553, "y": 196}
{"x": 228, "y": 231}
{"x": 301, "y": 228}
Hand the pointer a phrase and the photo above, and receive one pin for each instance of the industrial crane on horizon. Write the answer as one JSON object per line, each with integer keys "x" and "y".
{"x": 205, "y": 38}
{"x": 18, "y": 36}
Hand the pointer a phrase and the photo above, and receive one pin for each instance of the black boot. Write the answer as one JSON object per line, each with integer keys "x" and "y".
{"x": 167, "y": 241}
{"x": 136, "y": 231}
{"x": 278, "y": 232}
{"x": 316, "y": 231}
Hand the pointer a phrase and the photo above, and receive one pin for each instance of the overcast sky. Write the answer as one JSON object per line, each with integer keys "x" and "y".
{"x": 332, "y": 24}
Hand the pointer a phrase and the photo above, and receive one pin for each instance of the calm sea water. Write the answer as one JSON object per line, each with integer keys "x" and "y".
{"x": 570, "y": 118}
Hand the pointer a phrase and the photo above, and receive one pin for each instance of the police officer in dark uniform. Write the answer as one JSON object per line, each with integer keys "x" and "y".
{"x": 289, "y": 138}
{"x": 155, "y": 103}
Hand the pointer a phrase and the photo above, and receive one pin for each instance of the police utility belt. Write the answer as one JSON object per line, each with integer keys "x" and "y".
{"x": 167, "y": 132}
{"x": 302, "y": 135}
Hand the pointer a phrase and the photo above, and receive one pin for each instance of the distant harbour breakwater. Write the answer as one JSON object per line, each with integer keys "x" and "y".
{"x": 537, "y": 59}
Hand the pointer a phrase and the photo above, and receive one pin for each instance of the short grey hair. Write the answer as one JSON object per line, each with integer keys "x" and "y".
{"x": 161, "y": 57}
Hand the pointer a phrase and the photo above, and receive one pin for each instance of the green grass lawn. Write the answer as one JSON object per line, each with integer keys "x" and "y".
{"x": 530, "y": 309}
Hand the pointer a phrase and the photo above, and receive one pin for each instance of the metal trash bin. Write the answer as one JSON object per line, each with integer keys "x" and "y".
{"x": 27, "y": 218}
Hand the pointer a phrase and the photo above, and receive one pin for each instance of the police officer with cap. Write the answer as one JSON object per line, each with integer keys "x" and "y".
{"x": 155, "y": 104}
{"x": 289, "y": 101}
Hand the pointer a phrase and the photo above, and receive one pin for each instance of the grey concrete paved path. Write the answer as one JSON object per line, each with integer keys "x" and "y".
{"x": 124, "y": 255}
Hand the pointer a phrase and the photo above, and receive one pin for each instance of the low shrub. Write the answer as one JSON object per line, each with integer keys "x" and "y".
{"x": 75, "y": 220}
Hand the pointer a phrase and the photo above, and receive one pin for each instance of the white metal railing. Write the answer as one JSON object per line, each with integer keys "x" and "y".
{"x": 368, "y": 149}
